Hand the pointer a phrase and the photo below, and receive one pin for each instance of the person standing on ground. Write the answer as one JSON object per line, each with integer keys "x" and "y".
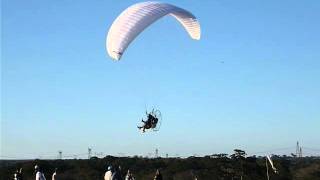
{"x": 129, "y": 175}
{"x": 116, "y": 175}
{"x": 15, "y": 175}
{"x": 39, "y": 173}
{"x": 158, "y": 175}
{"x": 54, "y": 175}
{"x": 20, "y": 176}
{"x": 108, "y": 174}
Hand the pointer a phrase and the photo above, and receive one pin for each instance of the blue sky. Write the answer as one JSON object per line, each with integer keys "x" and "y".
{"x": 251, "y": 82}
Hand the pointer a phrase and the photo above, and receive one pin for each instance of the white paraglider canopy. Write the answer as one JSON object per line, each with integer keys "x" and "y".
{"x": 132, "y": 21}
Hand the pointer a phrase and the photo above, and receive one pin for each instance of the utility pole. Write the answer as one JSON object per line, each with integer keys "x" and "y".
{"x": 267, "y": 169}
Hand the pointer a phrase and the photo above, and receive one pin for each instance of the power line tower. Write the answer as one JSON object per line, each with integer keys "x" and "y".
{"x": 297, "y": 149}
{"x": 89, "y": 153}
{"x": 156, "y": 153}
{"x": 300, "y": 152}
{"x": 60, "y": 155}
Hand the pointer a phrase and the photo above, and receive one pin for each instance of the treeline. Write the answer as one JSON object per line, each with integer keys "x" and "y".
{"x": 217, "y": 166}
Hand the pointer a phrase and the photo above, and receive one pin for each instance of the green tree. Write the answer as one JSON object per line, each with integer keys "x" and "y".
{"x": 239, "y": 159}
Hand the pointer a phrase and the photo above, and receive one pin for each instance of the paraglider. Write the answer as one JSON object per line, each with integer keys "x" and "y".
{"x": 153, "y": 121}
{"x": 132, "y": 21}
